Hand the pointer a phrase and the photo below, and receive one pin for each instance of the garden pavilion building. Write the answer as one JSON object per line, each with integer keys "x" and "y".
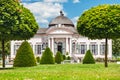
{"x": 61, "y": 35}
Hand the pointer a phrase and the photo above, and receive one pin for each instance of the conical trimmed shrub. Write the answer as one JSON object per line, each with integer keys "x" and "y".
{"x": 88, "y": 59}
{"x": 38, "y": 59}
{"x": 47, "y": 57}
{"x": 24, "y": 56}
{"x": 64, "y": 57}
{"x": 58, "y": 57}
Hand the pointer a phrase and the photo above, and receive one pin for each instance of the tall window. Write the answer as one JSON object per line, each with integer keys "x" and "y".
{"x": 82, "y": 48}
{"x": 38, "y": 49}
{"x": 16, "y": 46}
{"x": 63, "y": 48}
{"x": 94, "y": 48}
{"x": 55, "y": 47}
{"x": 102, "y": 49}
{"x": 44, "y": 45}
{"x": 73, "y": 47}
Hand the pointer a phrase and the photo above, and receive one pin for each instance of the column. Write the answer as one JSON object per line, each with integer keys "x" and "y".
{"x": 33, "y": 44}
{"x": 88, "y": 44}
{"x": 12, "y": 49}
{"x": 67, "y": 50}
{"x": 70, "y": 49}
{"x": 49, "y": 42}
{"x": 98, "y": 48}
{"x": 52, "y": 45}
{"x": 110, "y": 48}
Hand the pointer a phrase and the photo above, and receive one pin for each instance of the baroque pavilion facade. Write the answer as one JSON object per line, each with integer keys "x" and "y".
{"x": 61, "y": 35}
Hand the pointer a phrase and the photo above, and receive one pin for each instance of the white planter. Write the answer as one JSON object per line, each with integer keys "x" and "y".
{"x": 118, "y": 62}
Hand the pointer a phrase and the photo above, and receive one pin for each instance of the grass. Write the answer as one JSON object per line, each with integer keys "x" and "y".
{"x": 63, "y": 72}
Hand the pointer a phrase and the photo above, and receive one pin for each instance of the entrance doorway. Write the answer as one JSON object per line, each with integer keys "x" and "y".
{"x": 59, "y": 47}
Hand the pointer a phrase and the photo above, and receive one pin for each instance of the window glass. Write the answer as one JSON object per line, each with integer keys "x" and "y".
{"x": 82, "y": 48}
{"x": 94, "y": 48}
{"x": 38, "y": 49}
{"x": 102, "y": 49}
{"x": 16, "y": 46}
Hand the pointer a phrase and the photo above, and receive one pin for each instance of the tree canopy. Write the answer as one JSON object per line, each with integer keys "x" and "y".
{"x": 16, "y": 23}
{"x": 100, "y": 22}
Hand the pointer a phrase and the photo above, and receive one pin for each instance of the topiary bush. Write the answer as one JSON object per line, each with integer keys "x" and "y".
{"x": 24, "y": 56}
{"x": 47, "y": 57}
{"x": 88, "y": 58}
{"x": 68, "y": 58}
{"x": 118, "y": 59}
{"x": 67, "y": 53}
{"x": 38, "y": 59}
{"x": 99, "y": 59}
{"x": 64, "y": 57}
{"x": 58, "y": 58}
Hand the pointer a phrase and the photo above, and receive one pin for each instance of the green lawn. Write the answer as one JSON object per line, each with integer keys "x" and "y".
{"x": 63, "y": 72}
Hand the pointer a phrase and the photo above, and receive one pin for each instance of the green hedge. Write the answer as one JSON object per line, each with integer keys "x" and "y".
{"x": 47, "y": 57}
{"x": 38, "y": 59}
{"x": 64, "y": 57}
{"x": 68, "y": 58}
{"x": 24, "y": 56}
{"x": 58, "y": 57}
{"x": 88, "y": 59}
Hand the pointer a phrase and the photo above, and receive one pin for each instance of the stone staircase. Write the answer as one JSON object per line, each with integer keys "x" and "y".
{"x": 75, "y": 59}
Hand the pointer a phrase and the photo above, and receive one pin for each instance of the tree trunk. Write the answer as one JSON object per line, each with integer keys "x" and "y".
{"x": 3, "y": 54}
{"x": 106, "y": 51}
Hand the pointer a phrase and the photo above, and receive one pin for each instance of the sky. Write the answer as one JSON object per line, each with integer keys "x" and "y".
{"x": 46, "y": 10}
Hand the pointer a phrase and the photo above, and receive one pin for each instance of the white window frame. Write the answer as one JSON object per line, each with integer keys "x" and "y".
{"x": 38, "y": 49}
{"x": 102, "y": 49}
{"x": 94, "y": 48}
{"x": 82, "y": 48}
{"x": 16, "y": 47}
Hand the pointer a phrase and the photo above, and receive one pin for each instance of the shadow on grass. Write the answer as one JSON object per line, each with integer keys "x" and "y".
{"x": 7, "y": 68}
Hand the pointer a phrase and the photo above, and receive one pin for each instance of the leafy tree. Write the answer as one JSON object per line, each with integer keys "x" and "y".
{"x": 47, "y": 57}
{"x": 58, "y": 57}
{"x": 101, "y": 22}
{"x": 88, "y": 59}
{"x": 7, "y": 48}
{"x": 116, "y": 47}
{"x": 25, "y": 56}
{"x": 16, "y": 23}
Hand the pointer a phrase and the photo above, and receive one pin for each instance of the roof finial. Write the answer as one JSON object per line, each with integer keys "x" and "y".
{"x": 61, "y": 13}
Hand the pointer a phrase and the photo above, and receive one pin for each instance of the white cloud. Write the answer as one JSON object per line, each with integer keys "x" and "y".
{"x": 58, "y": 1}
{"x": 74, "y": 20}
{"x": 44, "y": 11}
{"x": 76, "y": 1}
